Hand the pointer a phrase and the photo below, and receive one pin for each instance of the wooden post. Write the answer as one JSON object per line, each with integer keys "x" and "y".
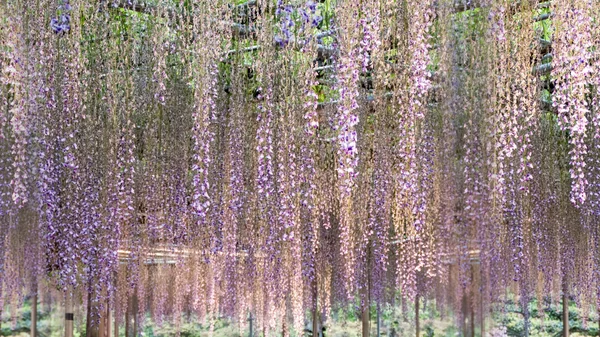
{"x": 128, "y": 318}
{"x": 472, "y": 318}
{"x": 404, "y": 308}
{"x": 34, "y": 299}
{"x": 315, "y": 325}
{"x": 102, "y": 324}
{"x": 69, "y": 313}
{"x": 526, "y": 315}
{"x": 378, "y": 321}
{"x": 417, "y": 322}
{"x": 108, "y": 318}
{"x": 250, "y": 319}
{"x": 365, "y": 318}
{"x": 565, "y": 315}
{"x": 92, "y": 329}
{"x": 116, "y": 322}
{"x": 116, "y": 304}
{"x": 481, "y": 316}
{"x": 464, "y": 314}
{"x": 472, "y": 302}
{"x": 135, "y": 314}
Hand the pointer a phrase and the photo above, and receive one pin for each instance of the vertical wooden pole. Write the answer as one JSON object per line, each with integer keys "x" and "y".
{"x": 472, "y": 318}
{"x": 565, "y": 315}
{"x": 69, "y": 312}
{"x": 525, "y": 309}
{"x": 404, "y": 309}
{"x": 378, "y": 320}
{"x": 128, "y": 318}
{"x": 135, "y": 314}
{"x": 315, "y": 325}
{"x": 102, "y": 324}
{"x": 464, "y": 314}
{"x": 417, "y": 322}
{"x": 366, "y": 298}
{"x": 251, "y": 332}
{"x": 481, "y": 316}
{"x": 472, "y": 302}
{"x": 365, "y": 318}
{"x": 34, "y": 300}
{"x": 116, "y": 305}
{"x": 116, "y": 329}
{"x": 108, "y": 318}
{"x": 93, "y": 329}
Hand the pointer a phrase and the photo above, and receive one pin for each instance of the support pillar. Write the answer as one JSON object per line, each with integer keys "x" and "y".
{"x": 378, "y": 321}
{"x": 472, "y": 302}
{"x": 565, "y": 315}
{"x": 69, "y": 313}
{"x": 472, "y": 319}
{"x": 463, "y": 319}
{"x": 128, "y": 318}
{"x": 417, "y": 322}
{"x": 315, "y": 313}
{"x": 116, "y": 321}
{"x": 34, "y": 300}
{"x": 93, "y": 329}
{"x": 250, "y": 320}
{"x": 135, "y": 313}
{"x": 481, "y": 316}
{"x": 108, "y": 319}
{"x": 365, "y": 318}
{"x": 102, "y": 324}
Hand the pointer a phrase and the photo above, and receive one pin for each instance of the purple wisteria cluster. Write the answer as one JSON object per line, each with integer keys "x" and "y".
{"x": 62, "y": 23}
{"x": 185, "y": 181}
{"x": 295, "y": 22}
{"x": 572, "y": 72}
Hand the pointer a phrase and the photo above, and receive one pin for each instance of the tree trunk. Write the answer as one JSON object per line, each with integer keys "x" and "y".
{"x": 417, "y": 323}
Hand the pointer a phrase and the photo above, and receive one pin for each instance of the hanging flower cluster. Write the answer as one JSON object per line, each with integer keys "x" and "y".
{"x": 216, "y": 160}
{"x": 572, "y": 72}
{"x": 62, "y": 23}
{"x": 295, "y": 22}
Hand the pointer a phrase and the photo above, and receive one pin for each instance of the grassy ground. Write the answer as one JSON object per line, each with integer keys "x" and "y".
{"x": 343, "y": 324}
